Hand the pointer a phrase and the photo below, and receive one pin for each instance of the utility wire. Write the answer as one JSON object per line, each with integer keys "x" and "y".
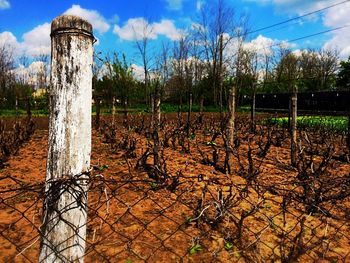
{"x": 297, "y": 18}
{"x": 304, "y": 37}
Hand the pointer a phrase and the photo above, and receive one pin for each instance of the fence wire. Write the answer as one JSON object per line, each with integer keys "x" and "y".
{"x": 133, "y": 217}
{"x": 202, "y": 221}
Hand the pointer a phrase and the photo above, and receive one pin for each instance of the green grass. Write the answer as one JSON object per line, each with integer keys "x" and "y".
{"x": 21, "y": 113}
{"x": 334, "y": 123}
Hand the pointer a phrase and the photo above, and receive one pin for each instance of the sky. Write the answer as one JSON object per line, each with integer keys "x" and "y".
{"x": 25, "y": 25}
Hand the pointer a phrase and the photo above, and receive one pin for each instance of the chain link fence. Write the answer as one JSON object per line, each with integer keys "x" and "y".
{"x": 192, "y": 211}
{"x": 202, "y": 220}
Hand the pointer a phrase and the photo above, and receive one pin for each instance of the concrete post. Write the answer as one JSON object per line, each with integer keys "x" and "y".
{"x": 68, "y": 162}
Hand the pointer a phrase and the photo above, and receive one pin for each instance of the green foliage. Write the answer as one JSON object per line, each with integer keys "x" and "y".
{"x": 195, "y": 249}
{"x": 119, "y": 82}
{"x": 103, "y": 167}
{"x": 153, "y": 185}
{"x": 337, "y": 124}
{"x": 343, "y": 77}
{"x": 228, "y": 246}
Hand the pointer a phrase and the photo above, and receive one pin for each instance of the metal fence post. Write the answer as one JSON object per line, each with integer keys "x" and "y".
{"x": 68, "y": 163}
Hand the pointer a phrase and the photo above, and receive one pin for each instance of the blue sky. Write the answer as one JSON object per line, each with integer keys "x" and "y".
{"x": 25, "y": 25}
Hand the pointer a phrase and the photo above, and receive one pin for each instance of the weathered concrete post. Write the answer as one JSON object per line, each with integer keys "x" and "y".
{"x": 68, "y": 163}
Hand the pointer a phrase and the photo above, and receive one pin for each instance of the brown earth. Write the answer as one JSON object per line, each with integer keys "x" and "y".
{"x": 132, "y": 219}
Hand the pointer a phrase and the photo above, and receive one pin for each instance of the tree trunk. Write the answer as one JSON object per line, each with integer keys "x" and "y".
{"x": 294, "y": 113}
{"x": 68, "y": 163}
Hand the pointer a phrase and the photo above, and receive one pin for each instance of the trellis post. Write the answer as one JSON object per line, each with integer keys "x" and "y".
{"x": 69, "y": 150}
{"x": 294, "y": 115}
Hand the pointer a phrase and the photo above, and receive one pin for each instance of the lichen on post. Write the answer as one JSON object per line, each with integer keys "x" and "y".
{"x": 68, "y": 162}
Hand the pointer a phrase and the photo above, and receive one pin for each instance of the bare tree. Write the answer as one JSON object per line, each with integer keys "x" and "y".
{"x": 216, "y": 29}
{"x": 6, "y": 75}
{"x": 143, "y": 46}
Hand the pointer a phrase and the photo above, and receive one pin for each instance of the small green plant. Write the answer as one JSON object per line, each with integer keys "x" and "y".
{"x": 129, "y": 261}
{"x": 103, "y": 167}
{"x": 195, "y": 249}
{"x": 192, "y": 137}
{"x": 153, "y": 185}
{"x": 188, "y": 219}
{"x": 228, "y": 246}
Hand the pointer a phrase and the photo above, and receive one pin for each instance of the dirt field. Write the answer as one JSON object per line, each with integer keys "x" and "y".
{"x": 265, "y": 210}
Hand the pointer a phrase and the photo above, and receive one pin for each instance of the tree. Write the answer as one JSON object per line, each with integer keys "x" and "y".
{"x": 216, "y": 30}
{"x": 122, "y": 81}
{"x": 343, "y": 82}
{"x": 343, "y": 76}
{"x": 97, "y": 86}
{"x": 6, "y": 75}
{"x": 142, "y": 44}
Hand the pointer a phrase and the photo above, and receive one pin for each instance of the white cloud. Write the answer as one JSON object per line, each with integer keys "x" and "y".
{"x": 262, "y": 45}
{"x": 137, "y": 28}
{"x": 167, "y": 28}
{"x": 296, "y": 6}
{"x": 32, "y": 73}
{"x": 37, "y": 41}
{"x": 4, "y": 4}
{"x": 174, "y": 4}
{"x": 138, "y": 72}
{"x": 334, "y": 17}
{"x": 98, "y": 22}
{"x": 340, "y": 39}
{"x": 9, "y": 40}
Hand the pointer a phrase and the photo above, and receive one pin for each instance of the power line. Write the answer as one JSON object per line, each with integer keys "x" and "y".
{"x": 297, "y": 18}
{"x": 304, "y": 37}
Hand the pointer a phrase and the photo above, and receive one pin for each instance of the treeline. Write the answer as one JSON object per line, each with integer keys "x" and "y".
{"x": 199, "y": 66}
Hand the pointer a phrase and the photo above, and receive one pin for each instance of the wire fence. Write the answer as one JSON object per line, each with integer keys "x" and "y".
{"x": 265, "y": 210}
{"x": 203, "y": 220}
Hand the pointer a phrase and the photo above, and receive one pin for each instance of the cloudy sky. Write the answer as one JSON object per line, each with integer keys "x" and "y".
{"x": 25, "y": 25}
